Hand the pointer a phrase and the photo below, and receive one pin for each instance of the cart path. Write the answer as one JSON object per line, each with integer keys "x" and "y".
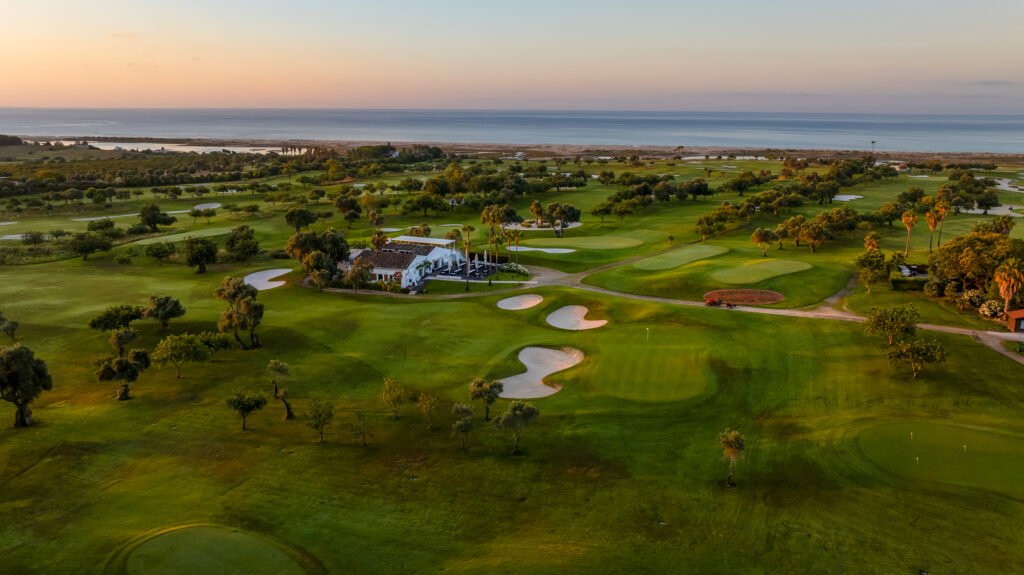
{"x": 546, "y": 277}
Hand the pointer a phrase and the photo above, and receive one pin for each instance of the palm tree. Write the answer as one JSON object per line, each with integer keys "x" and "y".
{"x": 499, "y": 238}
{"x": 871, "y": 241}
{"x": 942, "y": 208}
{"x": 378, "y": 239}
{"x": 514, "y": 236}
{"x": 909, "y": 220}
{"x": 467, "y": 229}
{"x": 933, "y": 221}
{"x": 1010, "y": 279}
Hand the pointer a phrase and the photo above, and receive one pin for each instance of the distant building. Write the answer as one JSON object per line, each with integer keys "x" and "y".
{"x": 408, "y": 260}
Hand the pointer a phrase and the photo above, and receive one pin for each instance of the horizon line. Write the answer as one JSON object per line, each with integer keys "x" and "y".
{"x": 406, "y": 109}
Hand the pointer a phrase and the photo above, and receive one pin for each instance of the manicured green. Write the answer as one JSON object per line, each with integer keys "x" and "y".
{"x": 200, "y": 233}
{"x": 753, "y": 271}
{"x": 987, "y": 458}
{"x": 204, "y": 549}
{"x": 678, "y": 257}
{"x": 588, "y": 242}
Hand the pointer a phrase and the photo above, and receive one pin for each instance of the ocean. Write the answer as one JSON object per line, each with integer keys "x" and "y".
{"x": 890, "y": 132}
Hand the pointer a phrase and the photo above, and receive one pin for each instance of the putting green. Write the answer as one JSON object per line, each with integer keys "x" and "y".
{"x": 994, "y": 459}
{"x": 199, "y": 550}
{"x": 183, "y": 235}
{"x": 754, "y": 271}
{"x": 585, "y": 242}
{"x": 647, "y": 363}
{"x": 681, "y": 256}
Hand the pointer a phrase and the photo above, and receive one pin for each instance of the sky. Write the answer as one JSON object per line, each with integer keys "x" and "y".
{"x": 898, "y": 56}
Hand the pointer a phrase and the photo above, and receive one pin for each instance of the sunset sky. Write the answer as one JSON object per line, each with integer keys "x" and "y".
{"x": 788, "y": 55}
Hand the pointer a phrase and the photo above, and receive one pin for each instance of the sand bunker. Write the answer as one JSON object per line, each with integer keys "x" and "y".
{"x": 545, "y": 250}
{"x": 540, "y": 362}
{"x": 207, "y": 206}
{"x": 389, "y": 230}
{"x": 12, "y": 237}
{"x": 846, "y": 197}
{"x": 571, "y": 317}
{"x": 1004, "y": 210}
{"x": 1006, "y": 185}
{"x": 520, "y": 301}
{"x": 7, "y": 223}
{"x": 917, "y": 176}
{"x": 261, "y": 280}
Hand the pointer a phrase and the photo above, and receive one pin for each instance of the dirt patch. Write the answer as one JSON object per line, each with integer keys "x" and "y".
{"x": 745, "y": 296}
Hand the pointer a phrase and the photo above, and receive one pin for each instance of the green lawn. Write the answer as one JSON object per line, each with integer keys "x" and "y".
{"x": 936, "y": 310}
{"x": 622, "y": 473}
{"x": 622, "y": 469}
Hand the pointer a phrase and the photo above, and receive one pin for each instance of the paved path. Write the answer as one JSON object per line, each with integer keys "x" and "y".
{"x": 546, "y": 277}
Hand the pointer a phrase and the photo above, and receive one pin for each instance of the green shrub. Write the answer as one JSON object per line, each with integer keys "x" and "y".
{"x": 950, "y": 290}
{"x": 900, "y": 283}
{"x": 931, "y": 289}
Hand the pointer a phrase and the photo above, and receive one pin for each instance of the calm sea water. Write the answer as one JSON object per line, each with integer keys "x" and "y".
{"x": 929, "y": 133}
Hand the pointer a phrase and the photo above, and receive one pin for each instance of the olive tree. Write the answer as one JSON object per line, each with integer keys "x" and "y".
{"x": 22, "y": 379}
{"x": 393, "y": 395}
{"x": 519, "y": 416}
{"x": 278, "y": 369}
{"x": 124, "y": 369}
{"x": 464, "y": 421}
{"x": 917, "y": 353}
{"x": 246, "y": 403}
{"x": 163, "y": 309}
{"x": 176, "y": 350}
{"x": 732, "y": 443}
{"x": 480, "y": 389}
{"x": 894, "y": 323}
{"x": 321, "y": 413}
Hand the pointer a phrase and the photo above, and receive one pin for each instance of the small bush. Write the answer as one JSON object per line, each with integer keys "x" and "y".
{"x": 514, "y": 268}
{"x": 278, "y": 254}
{"x": 931, "y": 289}
{"x": 123, "y": 259}
{"x": 950, "y": 290}
{"x": 992, "y": 308}
{"x": 138, "y": 228}
{"x": 975, "y": 296}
